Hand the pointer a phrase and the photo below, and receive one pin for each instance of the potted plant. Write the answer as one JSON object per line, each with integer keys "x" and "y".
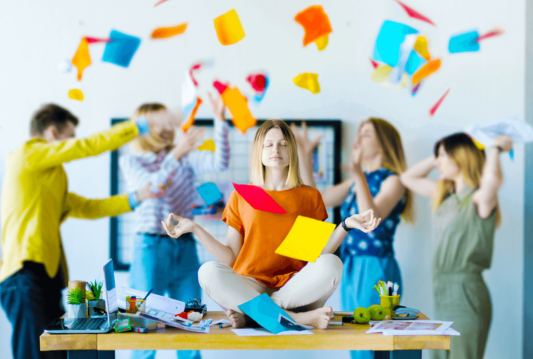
{"x": 76, "y": 304}
{"x": 93, "y": 293}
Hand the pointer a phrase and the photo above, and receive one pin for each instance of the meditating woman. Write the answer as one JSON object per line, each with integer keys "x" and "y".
{"x": 248, "y": 265}
{"x": 465, "y": 213}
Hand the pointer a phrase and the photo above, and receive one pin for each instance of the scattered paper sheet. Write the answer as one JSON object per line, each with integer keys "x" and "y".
{"x": 390, "y": 38}
{"x": 415, "y": 89}
{"x": 162, "y": 307}
{"x": 258, "y": 199}
{"x": 259, "y": 82}
{"x": 75, "y": 94}
{"x": 466, "y": 42}
{"x": 306, "y": 239}
{"x": 92, "y": 40}
{"x": 322, "y": 42}
{"x": 315, "y": 23}
{"x": 65, "y": 66}
{"x": 413, "y": 62}
{"x": 204, "y": 328}
{"x": 518, "y": 130}
{"x": 291, "y": 324}
{"x": 220, "y": 321}
{"x": 81, "y": 58}
{"x": 208, "y": 145}
{"x": 160, "y": 2}
{"x": 415, "y": 14}
{"x": 166, "y": 32}
{"x": 121, "y": 49}
{"x": 265, "y": 312}
{"x": 374, "y": 64}
{"x": 190, "y": 102}
{"x": 413, "y": 327}
{"x": 449, "y": 331}
{"x": 237, "y": 104}
{"x": 425, "y": 71}
{"x": 197, "y": 66}
{"x": 436, "y": 106}
{"x": 189, "y": 114}
{"x": 496, "y": 32}
{"x": 261, "y": 332}
{"x": 210, "y": 193}
{"x": 421, "y": 46}
{"x": 381, "y": 73}
{"x": 308, "y": 81}
{"x": 229, "y": 28}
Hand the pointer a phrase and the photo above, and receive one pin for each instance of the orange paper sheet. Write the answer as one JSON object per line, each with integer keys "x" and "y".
{"x": 190, "y": 119}
{"x": 425, "y": 71}
{"x": 308, "y": 81}
{"x": 75, "y": 94}
{"x": 315, "y": 23}
{"x": 229, "y": 29}
{"x": 237, "y": 104}
{"x": 166, "y": 32}
{"x": 421, "y": 46}
{"x": 81, "y": 58}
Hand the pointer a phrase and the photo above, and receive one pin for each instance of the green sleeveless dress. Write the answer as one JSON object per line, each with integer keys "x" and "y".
{"x": 462, "y": 250}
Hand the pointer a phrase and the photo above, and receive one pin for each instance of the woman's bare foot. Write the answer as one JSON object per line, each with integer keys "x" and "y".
{"x": 238, "y": 320}
{"x": 318, "y": 318}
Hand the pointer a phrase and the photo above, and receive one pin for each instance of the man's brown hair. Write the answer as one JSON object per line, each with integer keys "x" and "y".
{"x": 51, "y": 114}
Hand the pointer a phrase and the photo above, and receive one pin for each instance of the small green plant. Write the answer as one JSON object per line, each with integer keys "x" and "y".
{"x": 75, "y": 296}
{"x": 95, "y": 288}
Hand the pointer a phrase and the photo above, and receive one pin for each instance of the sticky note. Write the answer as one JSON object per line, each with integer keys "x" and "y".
{"x": 166, "y": 32}
{"x": 229, "y": 29}
{"x": 81, "y": 58}
{"x": 421, "y": 46}
{"x": 258, "y": 199}
{"x": 315, "y": 23}
{"x": 308, "y": 81}
{"x": 306, "y": 239}
{"x": 436, "y": 106}
{"x": 237, "y": 104}
{"x": 75, "y": 94}
{"x": 466, "y": 42}
{"x": 425, "y": 71}
{"x": 189, "y": 113}
{"x": 389, "y": 41}
{"x": 415, "y": 14}
{"x": 381, "y": 73}
{"x": 210, "y": 193}
{"x": 208, "y": 145}
{"x": 265, "y": 312}
{"x": 322, "y": 42}
{"x": 121, "y": 49}
{"x": 413, "y": 62}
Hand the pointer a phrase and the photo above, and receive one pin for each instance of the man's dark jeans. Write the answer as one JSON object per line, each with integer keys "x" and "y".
{"x": 31, "y": 300}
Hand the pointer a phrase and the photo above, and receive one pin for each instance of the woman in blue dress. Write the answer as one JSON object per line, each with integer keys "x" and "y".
{"x": 377, "y": 161}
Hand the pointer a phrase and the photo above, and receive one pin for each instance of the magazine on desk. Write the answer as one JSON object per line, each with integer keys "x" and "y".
{"x": 156, "y": 305}
{"x": 411, "y": 327}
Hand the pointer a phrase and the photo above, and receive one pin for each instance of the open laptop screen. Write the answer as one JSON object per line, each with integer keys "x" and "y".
{"x": 111, "y": 291}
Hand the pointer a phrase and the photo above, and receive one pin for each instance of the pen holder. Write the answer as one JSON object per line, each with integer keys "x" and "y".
{"x": 389, "y": 302}
{"x": 136, "y": 305}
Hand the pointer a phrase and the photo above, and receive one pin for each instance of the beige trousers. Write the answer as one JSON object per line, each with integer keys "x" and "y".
{"x": 306, "y": 290}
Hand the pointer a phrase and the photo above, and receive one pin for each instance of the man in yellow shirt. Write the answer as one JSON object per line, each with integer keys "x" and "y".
{"x": 35, "y": 201}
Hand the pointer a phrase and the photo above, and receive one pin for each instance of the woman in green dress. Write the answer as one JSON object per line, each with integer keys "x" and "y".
{"x": 465, "y": 216}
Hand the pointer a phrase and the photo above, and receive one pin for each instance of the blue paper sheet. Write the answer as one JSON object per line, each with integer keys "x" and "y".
{"x": 121, "y": 48}
{"x": 389, "y": 40}
{"x": 464, "y": 42}
{"x": 210, "y": 193}
{"x": 265, "y": 312}
{"x": 413, "y": 62}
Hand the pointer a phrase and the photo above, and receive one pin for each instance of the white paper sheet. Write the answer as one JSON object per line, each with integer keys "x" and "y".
{"x": 519, "y": 130}
{"x": 220, "y": 321}
{"x": 449, "y": 331}
{"x": 156, "y": 305}
{"x": 260, "y": 332}
{"x": 416, "y": 327}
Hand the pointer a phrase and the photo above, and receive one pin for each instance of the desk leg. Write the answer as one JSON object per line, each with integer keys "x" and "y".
{"x": 398, "y": 354}
{"x": 91, "y": 354}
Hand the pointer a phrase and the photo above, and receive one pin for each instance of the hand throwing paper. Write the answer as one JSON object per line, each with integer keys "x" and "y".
{"x": 257, "y": 198}
{"x": 518, "y": 130}
{"x": 306, "y": 239}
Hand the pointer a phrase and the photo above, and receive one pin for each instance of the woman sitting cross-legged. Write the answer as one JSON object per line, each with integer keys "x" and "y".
{"x": 248, "y": 265}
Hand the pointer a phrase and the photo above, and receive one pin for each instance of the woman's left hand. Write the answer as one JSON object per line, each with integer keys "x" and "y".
{"x": 184, "y": 225}
{"x": 217, "y": 106}
{"x": 365, "y": 222}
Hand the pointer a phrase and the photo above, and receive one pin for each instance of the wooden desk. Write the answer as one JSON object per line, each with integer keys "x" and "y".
{"x": 346, "y": 337}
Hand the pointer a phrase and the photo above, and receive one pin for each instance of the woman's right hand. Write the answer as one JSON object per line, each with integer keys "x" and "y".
{"x": 305, "y": 146}
{"x": 504, "y": 142}
{"x": 184, "y": 225}
{"x": 188, "y": 142}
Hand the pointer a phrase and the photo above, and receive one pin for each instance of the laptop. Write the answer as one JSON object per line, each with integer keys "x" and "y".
{"x": 94, "y": 324}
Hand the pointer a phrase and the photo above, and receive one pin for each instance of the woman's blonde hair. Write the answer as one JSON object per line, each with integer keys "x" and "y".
{"x": 152, "y": 143}
{"x": 258, "y": 172}
{"x": 470, "y": 160}
{"x": 393, "y": 157}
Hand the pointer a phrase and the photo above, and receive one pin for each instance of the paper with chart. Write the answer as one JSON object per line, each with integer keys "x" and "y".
{"x": 156, "y": 305}
{"x": 411, "y": 327}
{"x": 518, "y": 130}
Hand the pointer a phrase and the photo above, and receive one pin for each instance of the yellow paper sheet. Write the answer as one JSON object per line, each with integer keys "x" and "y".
{"x": 229, "y": 28}
{"x": 75, "y": 94}
{"x": 208, "y": 145}
{"x": 381, "y": 73}
{"x": 322, "y": 42}
{"x": 421, "y": 46}
{"x": 307, "y": 81}
{"x": 306, "y": 239}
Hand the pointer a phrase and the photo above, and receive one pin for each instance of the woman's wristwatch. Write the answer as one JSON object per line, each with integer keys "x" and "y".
{"x": 343, "y": 223}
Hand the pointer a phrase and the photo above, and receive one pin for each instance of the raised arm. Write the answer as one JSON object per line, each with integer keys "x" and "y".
{"x": 486, "y": 197}
{"x": 225, "y": 253}
{"x": 415, "y": 178}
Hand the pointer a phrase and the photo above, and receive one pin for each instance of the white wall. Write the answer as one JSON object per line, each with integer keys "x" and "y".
{"x": 36, "y": 35}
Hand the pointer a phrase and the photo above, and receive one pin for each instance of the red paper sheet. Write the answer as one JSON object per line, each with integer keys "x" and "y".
{"x": 415, "y": 14}
{"x": 495, "y": 32}
{"x": 374, "y": 63}
{"x": 439, "y": 102}
{"x": 160, "y": 2}
{"x": 257, "y": 198}
{"x": 92, "y": 40}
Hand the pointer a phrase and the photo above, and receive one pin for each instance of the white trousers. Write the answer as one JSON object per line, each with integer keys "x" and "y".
{"x": 306, "y": 290}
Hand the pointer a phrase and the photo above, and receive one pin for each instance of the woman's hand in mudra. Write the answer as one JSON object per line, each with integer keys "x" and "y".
{"x": 184, "y": 225}
{"x": 365, "y": 222}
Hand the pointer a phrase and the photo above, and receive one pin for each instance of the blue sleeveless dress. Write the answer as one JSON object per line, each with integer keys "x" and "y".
{"x": 368, "y": 257}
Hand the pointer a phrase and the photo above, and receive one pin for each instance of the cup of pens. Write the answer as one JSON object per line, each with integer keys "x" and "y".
{"x": 388, "y": 293}
{"x": 134, "y": 305}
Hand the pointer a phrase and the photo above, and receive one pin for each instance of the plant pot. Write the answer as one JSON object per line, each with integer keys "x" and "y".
{"x": 91, "y": 304}
{"x": 77, "y": 310}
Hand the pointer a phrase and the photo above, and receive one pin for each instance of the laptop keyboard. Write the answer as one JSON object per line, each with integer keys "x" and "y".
{"x": 87, "y": 324}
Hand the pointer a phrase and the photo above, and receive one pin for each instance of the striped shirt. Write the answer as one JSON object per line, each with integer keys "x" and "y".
{"x": 140, "y": 168}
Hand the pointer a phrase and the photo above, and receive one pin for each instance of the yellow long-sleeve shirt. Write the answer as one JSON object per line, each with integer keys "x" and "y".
{"x": 35, "y": 198}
